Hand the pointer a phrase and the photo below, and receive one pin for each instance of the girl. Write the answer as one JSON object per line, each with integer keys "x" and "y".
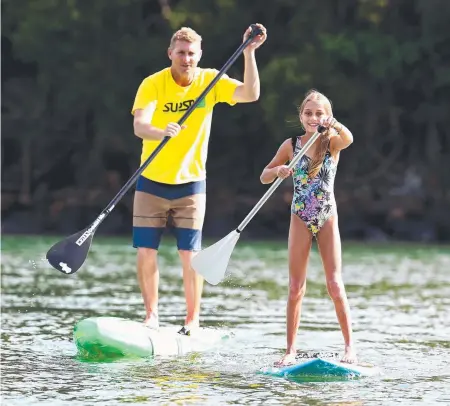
{"x": 314, "y": 213}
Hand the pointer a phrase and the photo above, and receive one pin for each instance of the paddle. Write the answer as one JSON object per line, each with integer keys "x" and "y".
{"x": 212, "y": 262}
{"x": 68, "y": 255}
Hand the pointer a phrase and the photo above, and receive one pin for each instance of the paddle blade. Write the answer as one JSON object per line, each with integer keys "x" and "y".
{"x": 212, "y": 262}
{"x": 68, "y": 255}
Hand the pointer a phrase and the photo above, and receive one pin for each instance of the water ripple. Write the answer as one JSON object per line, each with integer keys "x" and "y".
{"x": 400, "y": 304}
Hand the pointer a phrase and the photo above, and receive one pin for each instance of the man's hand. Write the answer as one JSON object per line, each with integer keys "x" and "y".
{"x": 173, "y": 129}
{"x": 257, "y": 41}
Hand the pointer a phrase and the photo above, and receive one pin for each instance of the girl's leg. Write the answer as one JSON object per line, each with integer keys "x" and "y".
{"x": 300, "y": 240}
{"x": 329, "y": 243}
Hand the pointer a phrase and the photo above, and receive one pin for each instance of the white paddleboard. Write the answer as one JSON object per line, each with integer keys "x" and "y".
{"x": 112, "y": 337}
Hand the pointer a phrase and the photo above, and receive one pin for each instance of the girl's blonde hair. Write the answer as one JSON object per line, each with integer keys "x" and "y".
{"x": 324, "y": 140}
{"x": 185, "y": 34}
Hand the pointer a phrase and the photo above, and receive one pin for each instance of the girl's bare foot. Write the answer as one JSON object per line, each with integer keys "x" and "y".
{"x": 349, "y": 355}
{"x": 287, "y": 359}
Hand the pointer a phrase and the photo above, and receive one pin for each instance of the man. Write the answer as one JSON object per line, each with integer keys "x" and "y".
{"x": 174, "y": 182}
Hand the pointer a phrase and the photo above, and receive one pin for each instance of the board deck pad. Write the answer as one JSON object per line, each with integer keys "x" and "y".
{"x": 319, "y": 367}
{"x": 105, "y": 338}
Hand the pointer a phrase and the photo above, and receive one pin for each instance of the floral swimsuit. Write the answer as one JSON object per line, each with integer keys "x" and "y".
{"x": 313, "y": 199}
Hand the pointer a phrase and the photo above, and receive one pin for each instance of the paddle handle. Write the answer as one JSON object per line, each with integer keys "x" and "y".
{"x": 279, "y": 180}
{"x": 255, "y": 31}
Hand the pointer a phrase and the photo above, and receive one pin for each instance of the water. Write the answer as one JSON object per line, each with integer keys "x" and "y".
{"x": 400, "y": 299}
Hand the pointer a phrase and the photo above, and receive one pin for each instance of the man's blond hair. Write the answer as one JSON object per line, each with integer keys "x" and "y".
{"x": 185, "y": 34}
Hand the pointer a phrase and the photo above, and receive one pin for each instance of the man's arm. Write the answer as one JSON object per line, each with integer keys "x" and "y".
{"x": 143, "y": 109}
{"x": 143, "y": 129}
{"x": 249, "y": 90}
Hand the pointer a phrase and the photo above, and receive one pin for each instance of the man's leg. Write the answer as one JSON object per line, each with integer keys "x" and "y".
{"x": 150, "y": 213}
{"x": 148, "y": 277}
{"x": 193, "y": 288}
{"x": 188, "y": 213}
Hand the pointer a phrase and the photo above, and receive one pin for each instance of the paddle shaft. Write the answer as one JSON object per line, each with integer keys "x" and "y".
{"x": 255, "y": 31}
{"x": 278, "y": 181}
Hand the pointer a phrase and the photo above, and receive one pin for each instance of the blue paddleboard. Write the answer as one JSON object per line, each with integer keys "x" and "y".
{"x": 319, "y": 367}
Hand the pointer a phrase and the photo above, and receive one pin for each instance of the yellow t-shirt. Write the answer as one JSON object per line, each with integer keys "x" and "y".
{"x": 183, "y": 158}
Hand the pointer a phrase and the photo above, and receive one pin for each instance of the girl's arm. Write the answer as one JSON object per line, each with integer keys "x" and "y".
{"x": 276, "y": 166}
{"x": 343, "y": 137}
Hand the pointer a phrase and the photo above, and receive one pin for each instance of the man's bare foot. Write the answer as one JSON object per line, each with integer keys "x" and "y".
{"x": 191, "y": 326}
{"x": 192, "y": 323}
{"x": 287, "y": 359}
{"x": 349, "y": 356}
{"x": 152, "y": 321}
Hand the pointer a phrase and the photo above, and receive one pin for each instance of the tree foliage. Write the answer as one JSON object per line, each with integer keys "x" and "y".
{"x": 71, "y": 69}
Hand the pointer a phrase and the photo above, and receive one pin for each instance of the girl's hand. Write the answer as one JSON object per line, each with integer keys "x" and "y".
{"x": 331, "y": 122}
{"x": 283, "y": 171}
